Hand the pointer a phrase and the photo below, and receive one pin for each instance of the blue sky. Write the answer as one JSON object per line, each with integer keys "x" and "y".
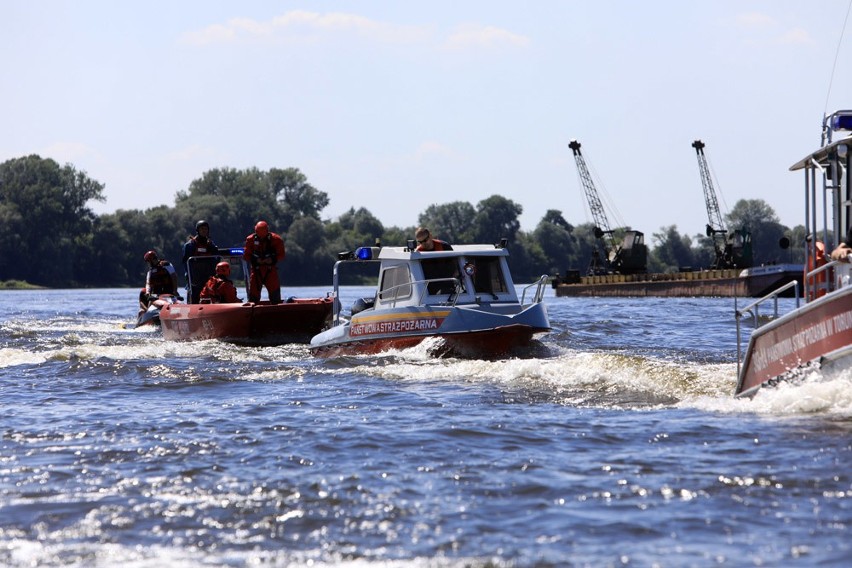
{"x": 398, "y": 105}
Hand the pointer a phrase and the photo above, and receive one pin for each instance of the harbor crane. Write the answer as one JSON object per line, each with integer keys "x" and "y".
{"x": 733, "y": 250}
{"x": 628, "y": 257}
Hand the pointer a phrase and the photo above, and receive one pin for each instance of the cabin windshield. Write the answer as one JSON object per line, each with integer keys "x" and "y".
{"x": 488, "y": 275}
{"x": 395, "y": 283}
{"x": 442, "y": 270}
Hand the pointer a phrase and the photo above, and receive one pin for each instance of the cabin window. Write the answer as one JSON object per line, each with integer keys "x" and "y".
{"x": 488, "y": 275}
{"x": 441, "y": 271}
{"x": 395, "y": 283}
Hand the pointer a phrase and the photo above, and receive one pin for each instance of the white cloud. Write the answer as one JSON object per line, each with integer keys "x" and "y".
{"x": 755, "y": 20}
{"x": 484, "y": 37}
{"x": 216, "y": 33}
{"x": 304, "y": 25}
{"x": 771, "y": 30}
{"x": 796, "y": 36}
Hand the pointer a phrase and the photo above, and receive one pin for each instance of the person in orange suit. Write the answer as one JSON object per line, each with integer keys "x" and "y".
{"x": 816, "y": 285}
{"x": 263, "y": 251}
{"x": 219, "y": 289}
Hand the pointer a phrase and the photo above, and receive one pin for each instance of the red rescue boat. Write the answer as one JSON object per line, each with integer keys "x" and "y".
{"x": 818, "y": 333}
{"x": 294, "y": 320}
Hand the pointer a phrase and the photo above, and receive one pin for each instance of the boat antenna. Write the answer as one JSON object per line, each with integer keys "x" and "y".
{"x": 836, "y": 56}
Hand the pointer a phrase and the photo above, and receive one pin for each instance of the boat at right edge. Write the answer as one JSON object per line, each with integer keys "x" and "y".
{"x": 817, "y": 334}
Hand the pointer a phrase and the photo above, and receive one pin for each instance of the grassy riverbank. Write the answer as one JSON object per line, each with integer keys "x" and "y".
{"x": 18, "y": 285}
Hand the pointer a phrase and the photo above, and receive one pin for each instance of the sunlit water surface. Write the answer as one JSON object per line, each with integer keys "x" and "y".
{"x": 615, "y": 442}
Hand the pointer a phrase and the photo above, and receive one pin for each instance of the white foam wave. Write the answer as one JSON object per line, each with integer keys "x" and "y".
{"x": 613, "y": 379}
{"x": 10, "y": 357}
{"x": 23, "y": 552}
{"x": 815, "y": 392}
{"x": 566, "y": 374}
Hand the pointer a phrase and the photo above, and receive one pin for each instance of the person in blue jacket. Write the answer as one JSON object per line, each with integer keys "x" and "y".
{"x": 199, "y": 244}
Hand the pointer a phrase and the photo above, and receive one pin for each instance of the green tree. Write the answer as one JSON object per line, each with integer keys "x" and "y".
{"x": 554, "y": 236}
{"x": 308, "y": 260}
{"x": 496, "y": 218}
{"x": 671, "y": 250}
{"x": 232, "y": 201}
{"x": 296, "y": 197}
{"x": 757, "y": 216}
{"x": 451, "y": 222}
{"x": 795, "y": 253}
{"x": 38, "y": 197}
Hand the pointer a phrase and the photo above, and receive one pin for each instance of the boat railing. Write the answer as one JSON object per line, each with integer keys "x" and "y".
{"x": 539, "y": 291}
{"x": 753, "y": 310}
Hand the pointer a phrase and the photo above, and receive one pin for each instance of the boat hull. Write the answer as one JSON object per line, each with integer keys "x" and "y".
{"x": 263, "y": 323}
{"x": 819, "y": 333}
{"x": 463, "y": 332}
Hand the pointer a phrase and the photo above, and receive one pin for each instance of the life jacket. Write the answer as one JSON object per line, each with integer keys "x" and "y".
{"x": 160, "y": 279}
{"x": 437, "y": 245}
{"x": 263, "y": 248}
{"x": 817, "y": 285}
{"x": 219, "y": 289}
{"x": 203, "y": 247}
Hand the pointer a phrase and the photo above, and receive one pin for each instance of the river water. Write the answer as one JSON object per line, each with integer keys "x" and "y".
{"x": 617, "y": 442}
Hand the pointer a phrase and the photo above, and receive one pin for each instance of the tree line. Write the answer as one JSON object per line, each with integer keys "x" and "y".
{"x": 50, "y": 237}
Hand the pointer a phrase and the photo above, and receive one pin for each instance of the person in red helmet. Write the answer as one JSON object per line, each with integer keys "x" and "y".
{"x": 263, "y": 250}
{"x": 161, "y": 279}
{"x": 219, "y": 289}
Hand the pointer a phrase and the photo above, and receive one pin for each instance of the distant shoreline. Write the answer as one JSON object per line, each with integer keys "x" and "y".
{"x": 18, "y": 285}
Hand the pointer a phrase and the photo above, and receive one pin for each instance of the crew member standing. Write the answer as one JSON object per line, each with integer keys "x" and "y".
{"x": 198, "y": 245}
{"x": 219, "y": 288}
{"x": 263, "y": 250}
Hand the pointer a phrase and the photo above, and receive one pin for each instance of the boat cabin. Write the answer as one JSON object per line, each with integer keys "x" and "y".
{"x": 468, "y": 274}
{"x": 828, "y": 194}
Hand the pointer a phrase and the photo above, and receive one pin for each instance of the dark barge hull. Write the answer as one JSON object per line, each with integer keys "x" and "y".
{"x": 752, "y": 282}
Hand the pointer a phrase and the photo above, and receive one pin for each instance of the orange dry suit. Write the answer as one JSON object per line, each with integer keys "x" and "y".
{"x": 219, "y": 290}
{"x": 817, "y": 285}
{"x": 263, "y": 254}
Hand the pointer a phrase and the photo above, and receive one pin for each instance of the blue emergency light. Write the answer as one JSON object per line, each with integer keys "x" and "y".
{"x": 841, "y": 122}
{"x": 367, "y": 253}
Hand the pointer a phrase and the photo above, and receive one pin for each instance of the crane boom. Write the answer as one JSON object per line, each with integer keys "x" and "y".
{"x": 628, "y": 257}
{"x": 714, "y": 216}
{"x": 733, "y": 249}
{"x": 595, "y": 205}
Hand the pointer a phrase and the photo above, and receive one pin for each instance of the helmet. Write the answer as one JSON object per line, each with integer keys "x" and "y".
{"x": 223, "y": 269}
{"x": 262, "y": 229}
{"x": 200, "y": 224}
{"x": 151, "y": 256}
